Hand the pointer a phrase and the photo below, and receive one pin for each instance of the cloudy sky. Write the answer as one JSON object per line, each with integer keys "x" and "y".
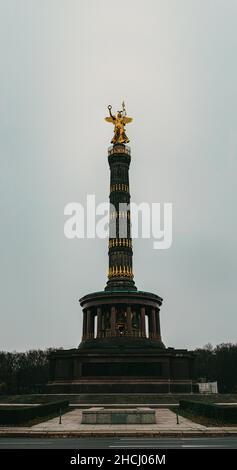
{"x": 62, "y": 62}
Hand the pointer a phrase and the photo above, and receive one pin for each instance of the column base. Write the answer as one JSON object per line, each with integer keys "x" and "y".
{"x": 120, "y": 284}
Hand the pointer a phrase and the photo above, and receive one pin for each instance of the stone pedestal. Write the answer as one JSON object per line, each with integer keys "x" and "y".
{"x": 117, "y": 416}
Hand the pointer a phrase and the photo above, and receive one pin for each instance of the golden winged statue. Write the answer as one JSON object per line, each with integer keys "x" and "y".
{"x": 119, "y": 122}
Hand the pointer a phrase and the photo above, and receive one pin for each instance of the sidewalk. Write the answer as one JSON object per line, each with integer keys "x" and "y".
{"x": 71, "y": 426}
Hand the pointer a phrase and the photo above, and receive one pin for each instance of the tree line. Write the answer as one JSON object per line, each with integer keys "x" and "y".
{"x": 218, "y": 364}
{"x": 24, "y": 372}
{"x": 27, "y": 372}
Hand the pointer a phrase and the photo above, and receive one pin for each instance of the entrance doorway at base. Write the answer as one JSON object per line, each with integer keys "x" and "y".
{"x": 121, "y": 329}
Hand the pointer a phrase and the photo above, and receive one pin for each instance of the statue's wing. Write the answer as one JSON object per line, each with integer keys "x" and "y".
{"x": 109, "y": 119}
{"x": 126, "y": 120}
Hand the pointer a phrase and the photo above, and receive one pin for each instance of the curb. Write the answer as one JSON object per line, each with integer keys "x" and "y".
{"x": 81, "y": 434}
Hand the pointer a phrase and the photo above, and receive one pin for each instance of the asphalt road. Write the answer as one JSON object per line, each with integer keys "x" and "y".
{"x": 120, "y": 443}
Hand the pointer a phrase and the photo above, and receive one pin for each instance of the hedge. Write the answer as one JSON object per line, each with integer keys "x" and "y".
{"x": 221, "y": 413}
{"x": 21, "y": 414}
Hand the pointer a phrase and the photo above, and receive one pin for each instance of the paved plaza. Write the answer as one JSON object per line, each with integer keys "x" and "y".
{"x": 165, "y": 420}
{"x": 166, "y": 424}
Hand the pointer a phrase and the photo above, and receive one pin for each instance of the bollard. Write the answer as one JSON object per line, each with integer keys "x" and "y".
{"x": 60, "y": 416}
{"x": 177, "y": 417}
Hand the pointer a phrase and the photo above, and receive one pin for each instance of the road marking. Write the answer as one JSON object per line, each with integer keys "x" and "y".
{"x": 203, "y": 445}
{"x": 226, "y": 404}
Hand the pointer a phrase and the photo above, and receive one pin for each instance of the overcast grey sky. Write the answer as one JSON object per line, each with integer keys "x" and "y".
{"x": 62, "y": 62}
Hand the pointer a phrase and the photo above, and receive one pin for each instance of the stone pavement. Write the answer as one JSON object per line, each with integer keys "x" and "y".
{"x": 165, "y": 419}
{"x": 166, "y": 425}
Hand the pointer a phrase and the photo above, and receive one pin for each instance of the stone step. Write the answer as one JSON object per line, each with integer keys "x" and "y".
{"x": 117, "y": 398}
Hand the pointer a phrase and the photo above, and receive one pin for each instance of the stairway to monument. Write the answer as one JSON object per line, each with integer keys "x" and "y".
{"x": 117, "y": 399}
